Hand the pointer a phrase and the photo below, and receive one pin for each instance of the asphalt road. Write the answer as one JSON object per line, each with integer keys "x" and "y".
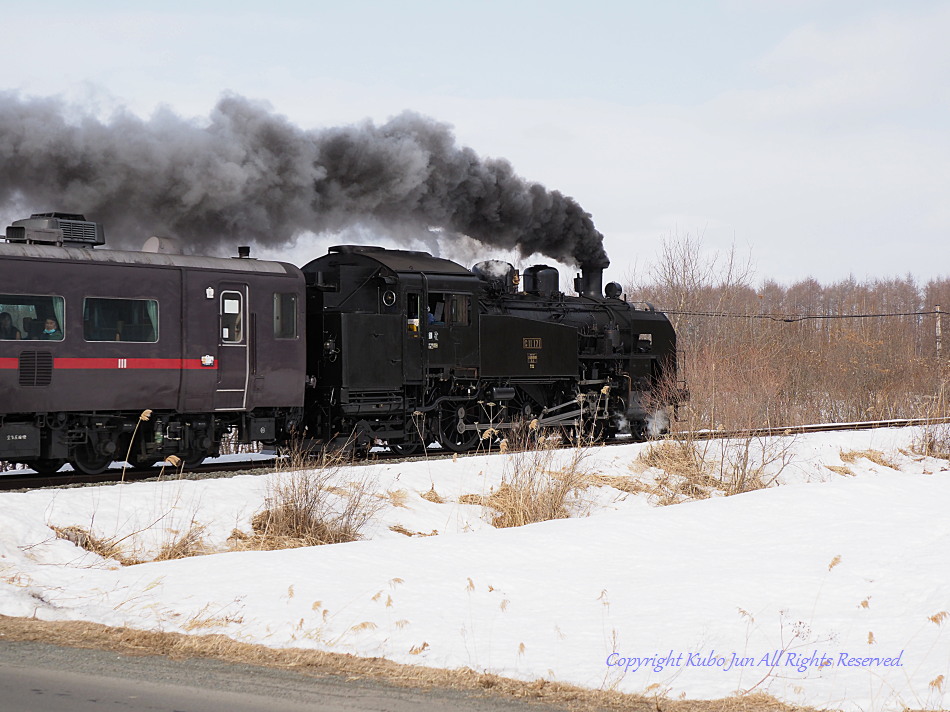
{"x": 36, "y": 677}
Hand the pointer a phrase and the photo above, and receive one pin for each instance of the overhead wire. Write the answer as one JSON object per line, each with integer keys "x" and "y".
{"x": 790, "y": 318}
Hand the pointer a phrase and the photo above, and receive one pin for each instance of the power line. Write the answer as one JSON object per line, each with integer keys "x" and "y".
{"x": 788, "y": 318}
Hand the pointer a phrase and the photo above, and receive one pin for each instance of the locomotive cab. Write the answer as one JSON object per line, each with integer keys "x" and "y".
{"x": 391, "y": 332}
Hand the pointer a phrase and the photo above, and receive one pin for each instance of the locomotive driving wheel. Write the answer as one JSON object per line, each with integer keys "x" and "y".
{"x": 452, "y": 433}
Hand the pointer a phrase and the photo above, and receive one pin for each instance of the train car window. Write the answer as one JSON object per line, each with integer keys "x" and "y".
{"x": 645, "y": 343}
{"x": 285, "y": 316}
{"x": 460, "y": 309}
{"x": 231, "y": 318}
{"x": 108, "y": 319}
{"x": 31, "y": 317}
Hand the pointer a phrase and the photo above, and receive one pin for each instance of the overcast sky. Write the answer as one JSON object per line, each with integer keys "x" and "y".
{"x": 812, "y": 134}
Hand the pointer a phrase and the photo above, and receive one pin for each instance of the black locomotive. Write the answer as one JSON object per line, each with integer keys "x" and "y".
{"x": 112, "y": 355}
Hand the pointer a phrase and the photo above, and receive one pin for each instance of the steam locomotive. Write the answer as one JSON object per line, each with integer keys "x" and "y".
{"x": 113, "y": 355}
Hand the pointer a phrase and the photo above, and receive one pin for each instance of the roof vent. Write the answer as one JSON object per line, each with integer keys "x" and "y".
{"x": 57, "y": 229}
{"x": 162, "y": 245}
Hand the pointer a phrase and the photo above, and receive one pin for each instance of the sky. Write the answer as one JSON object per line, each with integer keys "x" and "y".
{"x": 809, "y": 135}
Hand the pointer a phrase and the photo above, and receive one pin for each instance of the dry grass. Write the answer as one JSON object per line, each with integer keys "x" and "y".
{"x": 691, "y": 469}
{"x": 184, "y": 544}
{"x": 841, "y": 470}
{"x": 753, "y": 463}
{"x": 432, "y": 496}
{"x": 397, "y": 498}
{"x": 400, "y": 529}
{"x": 303, "y": 508}
{"x": 875, "y": 456}
{"x": 685, "y": 473}
{"x": 180, "y": 545}
{"x": 179, "y": 646}
{"x": 676, "y": 457}
{"x": 85, "y": 539}
{"x": 934, "y": 441}
{"x": 536, "y": 486}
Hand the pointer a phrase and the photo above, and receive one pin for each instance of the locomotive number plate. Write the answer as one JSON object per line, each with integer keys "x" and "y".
{"x": 531, "y": 343}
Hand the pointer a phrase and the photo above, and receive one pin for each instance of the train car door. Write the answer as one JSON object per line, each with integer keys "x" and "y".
{"x": 233, "y": 351}
{"x": 412, "y": 352}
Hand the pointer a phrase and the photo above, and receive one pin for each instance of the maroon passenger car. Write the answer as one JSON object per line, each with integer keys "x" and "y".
{"x": 90, "y": 339}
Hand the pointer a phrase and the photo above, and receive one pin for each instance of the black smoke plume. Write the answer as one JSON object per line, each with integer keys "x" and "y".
{"x": 248, "y": 174}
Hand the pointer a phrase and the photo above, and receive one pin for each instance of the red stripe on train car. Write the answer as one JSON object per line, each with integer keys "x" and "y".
{"x": 9, "y": 363}
{"x": 127, "y": 363}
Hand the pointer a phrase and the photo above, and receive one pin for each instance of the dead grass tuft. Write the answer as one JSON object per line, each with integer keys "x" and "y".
{"x": 185, "y": 544}
{"x": 400, "y": 529}
{"x": 180, "y": 545}
{"x": 303, "y": 508}
{"x": 433, "y": 496}
{"x": 841, "y": 470}
{"x": 126, "y": 641}
{"x": 624, "y": 483}
{"x": 939, "y": 618}
{"x": 934, "y": 441}
{"x": 685, "y": 473}
{"x": 875, "y": 456}
{"x": 692, "y": 469}
{"x": 676, "y": 457}
{"x": 85, "y": 539}
{"x": 536, "y": 487}
{"x": 397, "y": 498}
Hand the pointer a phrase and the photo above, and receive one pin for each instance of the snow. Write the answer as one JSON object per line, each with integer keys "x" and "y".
{"x": 826, "y": 589}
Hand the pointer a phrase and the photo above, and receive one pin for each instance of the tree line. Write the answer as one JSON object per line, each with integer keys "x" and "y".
{"x": 773, "y": 354}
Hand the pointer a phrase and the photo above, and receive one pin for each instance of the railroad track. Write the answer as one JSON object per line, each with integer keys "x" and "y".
{"x": 13, "y": 481}
{"x": 802, "y": 429}
{"x": 9, "y": 482}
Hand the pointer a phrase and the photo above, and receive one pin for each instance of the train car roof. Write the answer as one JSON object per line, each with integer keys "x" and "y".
{"x": 98, "y": 256}
{"x": 395, "y": 260}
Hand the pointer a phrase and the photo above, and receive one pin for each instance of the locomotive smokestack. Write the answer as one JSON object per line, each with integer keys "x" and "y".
{"x": 590, "y": 282}
{"x": 246, "y": 172}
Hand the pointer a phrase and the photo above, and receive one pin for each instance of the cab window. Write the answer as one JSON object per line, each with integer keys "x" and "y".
{"x": 449, "y": 309}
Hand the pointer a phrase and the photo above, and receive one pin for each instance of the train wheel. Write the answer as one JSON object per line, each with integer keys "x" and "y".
{"x": 89, "y": 462}
{"x": 47, "y": 467}
{"x": 141, "y": 463}
{"x": 193, "y": 460}
{"x": 405, "y": 449}
{"x": 452, "y": 434}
